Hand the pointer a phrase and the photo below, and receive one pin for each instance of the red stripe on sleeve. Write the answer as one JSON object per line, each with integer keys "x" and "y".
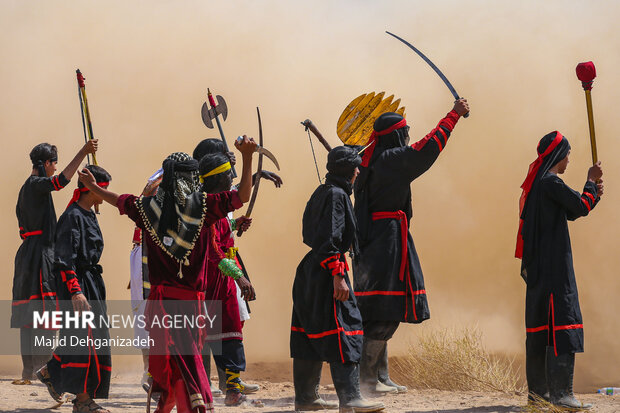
{"x": 60, "y": 186}
{"x": 586, "y": 203}
{"x": 445, "y": 137}
{"x": 438, "y": 143}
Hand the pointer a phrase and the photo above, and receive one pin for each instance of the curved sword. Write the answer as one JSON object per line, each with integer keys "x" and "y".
{"x": 432, "y": 65}
{"x": 259, "y": 172}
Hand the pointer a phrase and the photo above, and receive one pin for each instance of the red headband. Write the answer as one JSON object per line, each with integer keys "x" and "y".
{"x": 78, "y": 191}
{"x": 373, "y": 140}
{"x": 527, "y": 186}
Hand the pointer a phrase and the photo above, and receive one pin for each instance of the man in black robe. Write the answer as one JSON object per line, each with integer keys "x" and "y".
{"x": 326, "y": 323}
{"x": 33, "y": 285}
{"x": 81, "y": 368}
{"x": 553, "y": 320}
{"x": 389, "y": 283}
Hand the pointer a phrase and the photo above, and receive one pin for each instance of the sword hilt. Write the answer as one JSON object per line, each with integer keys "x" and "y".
{"x": 465, "y": 115}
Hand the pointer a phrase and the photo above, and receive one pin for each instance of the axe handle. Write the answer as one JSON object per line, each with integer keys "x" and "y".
{"x": 219, "y": 126}
{"x": 308, "y": 124}
{"x": 591, "y": 125}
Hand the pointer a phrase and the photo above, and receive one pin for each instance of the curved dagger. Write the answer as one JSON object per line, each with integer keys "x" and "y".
{"x": 432, "y": 65}
{"x": 259, "y": 172}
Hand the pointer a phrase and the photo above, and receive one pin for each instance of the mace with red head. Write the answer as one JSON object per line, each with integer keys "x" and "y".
{"x": 586, "y": 72}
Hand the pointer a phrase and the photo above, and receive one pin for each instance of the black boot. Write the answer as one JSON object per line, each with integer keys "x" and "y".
{"x": 560, "y": 379}
{"x": 306, "y": 377}
{"x": 536, "y": 374}
{"x": 346, "y": 378}
{"x": 369, "y": 368}
{"x": 383, "y": 370}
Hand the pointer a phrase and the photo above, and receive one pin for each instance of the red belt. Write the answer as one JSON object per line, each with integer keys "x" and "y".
{"x": 25, "y": 235}
{"x": 404, "y": 262}
{"x": 402, "y": 217}
{"x": 176, "y": 293}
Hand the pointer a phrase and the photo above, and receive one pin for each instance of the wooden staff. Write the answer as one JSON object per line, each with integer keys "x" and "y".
{"x": 310, "y": 126}
{"x": 586, "y": 72}
{"x": 86, "y": 122}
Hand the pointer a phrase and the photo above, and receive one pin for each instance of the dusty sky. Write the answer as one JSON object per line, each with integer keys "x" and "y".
{"x": 148, "y": 64}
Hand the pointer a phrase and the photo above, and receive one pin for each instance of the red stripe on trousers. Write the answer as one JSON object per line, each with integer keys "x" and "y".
{"x": 328, "y": 333}
{"x": 536, "y": 329}
{"x": 339, "y": 329}
{"x": 33, "y": 297}
{"x": 367, "y": 293}
{"x": 77, "y": 365}
{"x": 555, "y": 347}
{"x": 556, "y": 328}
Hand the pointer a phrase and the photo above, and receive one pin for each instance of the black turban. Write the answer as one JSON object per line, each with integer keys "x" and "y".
{"x": 342, "y": 161}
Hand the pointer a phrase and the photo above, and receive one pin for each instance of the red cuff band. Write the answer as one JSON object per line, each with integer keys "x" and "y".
{"x": 334, "y": 264}
{"x": 337, "y": 267}
{"x": 73, "y": 286}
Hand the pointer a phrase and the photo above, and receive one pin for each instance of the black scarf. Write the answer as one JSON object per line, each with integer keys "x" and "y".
{"x": 530, "y": 213}
{"x": 175, "y": 215}
{"x": 345, "y": 184}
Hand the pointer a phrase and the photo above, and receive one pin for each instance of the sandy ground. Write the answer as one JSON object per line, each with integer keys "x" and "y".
{"x": 277, "y": 395}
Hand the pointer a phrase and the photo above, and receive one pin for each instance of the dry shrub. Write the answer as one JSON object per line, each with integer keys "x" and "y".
{"x": 456, "y": 360}
{"x": 540, "y": 405}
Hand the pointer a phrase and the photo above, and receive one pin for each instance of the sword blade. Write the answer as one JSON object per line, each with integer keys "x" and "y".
{"x": 269, "y": 155}
{"x": 431, "y": 64}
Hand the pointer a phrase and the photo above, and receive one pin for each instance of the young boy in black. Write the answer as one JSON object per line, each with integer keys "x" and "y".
{"x": 552, "y": 315}
{"x": 83, "y": 370}
{"x": 326, "y": 323}
{"x": 33, "y": 285}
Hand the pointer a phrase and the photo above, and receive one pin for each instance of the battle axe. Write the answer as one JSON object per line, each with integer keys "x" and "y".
{"x": 214, "y": 113}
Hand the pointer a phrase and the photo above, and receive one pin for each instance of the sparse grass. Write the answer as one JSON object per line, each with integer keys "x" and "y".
{"x": 456, "y": 360}
{"x": 540, "y": 405}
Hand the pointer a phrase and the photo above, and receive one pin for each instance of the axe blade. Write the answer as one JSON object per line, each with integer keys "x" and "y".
{"x": 206, "y": 116}
{"x": 221, "y": 107}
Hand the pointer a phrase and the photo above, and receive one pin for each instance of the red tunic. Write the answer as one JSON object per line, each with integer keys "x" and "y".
{"x": 165, "y": 283}
{"x": 221, "y": 287}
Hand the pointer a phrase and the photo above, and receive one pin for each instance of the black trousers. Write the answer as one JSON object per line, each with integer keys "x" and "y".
{"x": 228, "y": 354}
{"x": 380, "y": 330}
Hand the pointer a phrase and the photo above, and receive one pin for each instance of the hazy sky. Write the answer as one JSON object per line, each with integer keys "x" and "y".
{"x": 148, "y": 64}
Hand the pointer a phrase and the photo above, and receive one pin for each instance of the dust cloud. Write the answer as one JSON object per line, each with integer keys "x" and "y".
{"x": 148, "y": 64}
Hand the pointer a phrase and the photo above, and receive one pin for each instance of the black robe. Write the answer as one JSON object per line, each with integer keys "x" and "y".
{"x": 33, "y": 285}
{"x": 552, "y": 313}
{"x": 323, "y": 328}
{"x": 79, "y": 245}
{"x": 381, "y": 292}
